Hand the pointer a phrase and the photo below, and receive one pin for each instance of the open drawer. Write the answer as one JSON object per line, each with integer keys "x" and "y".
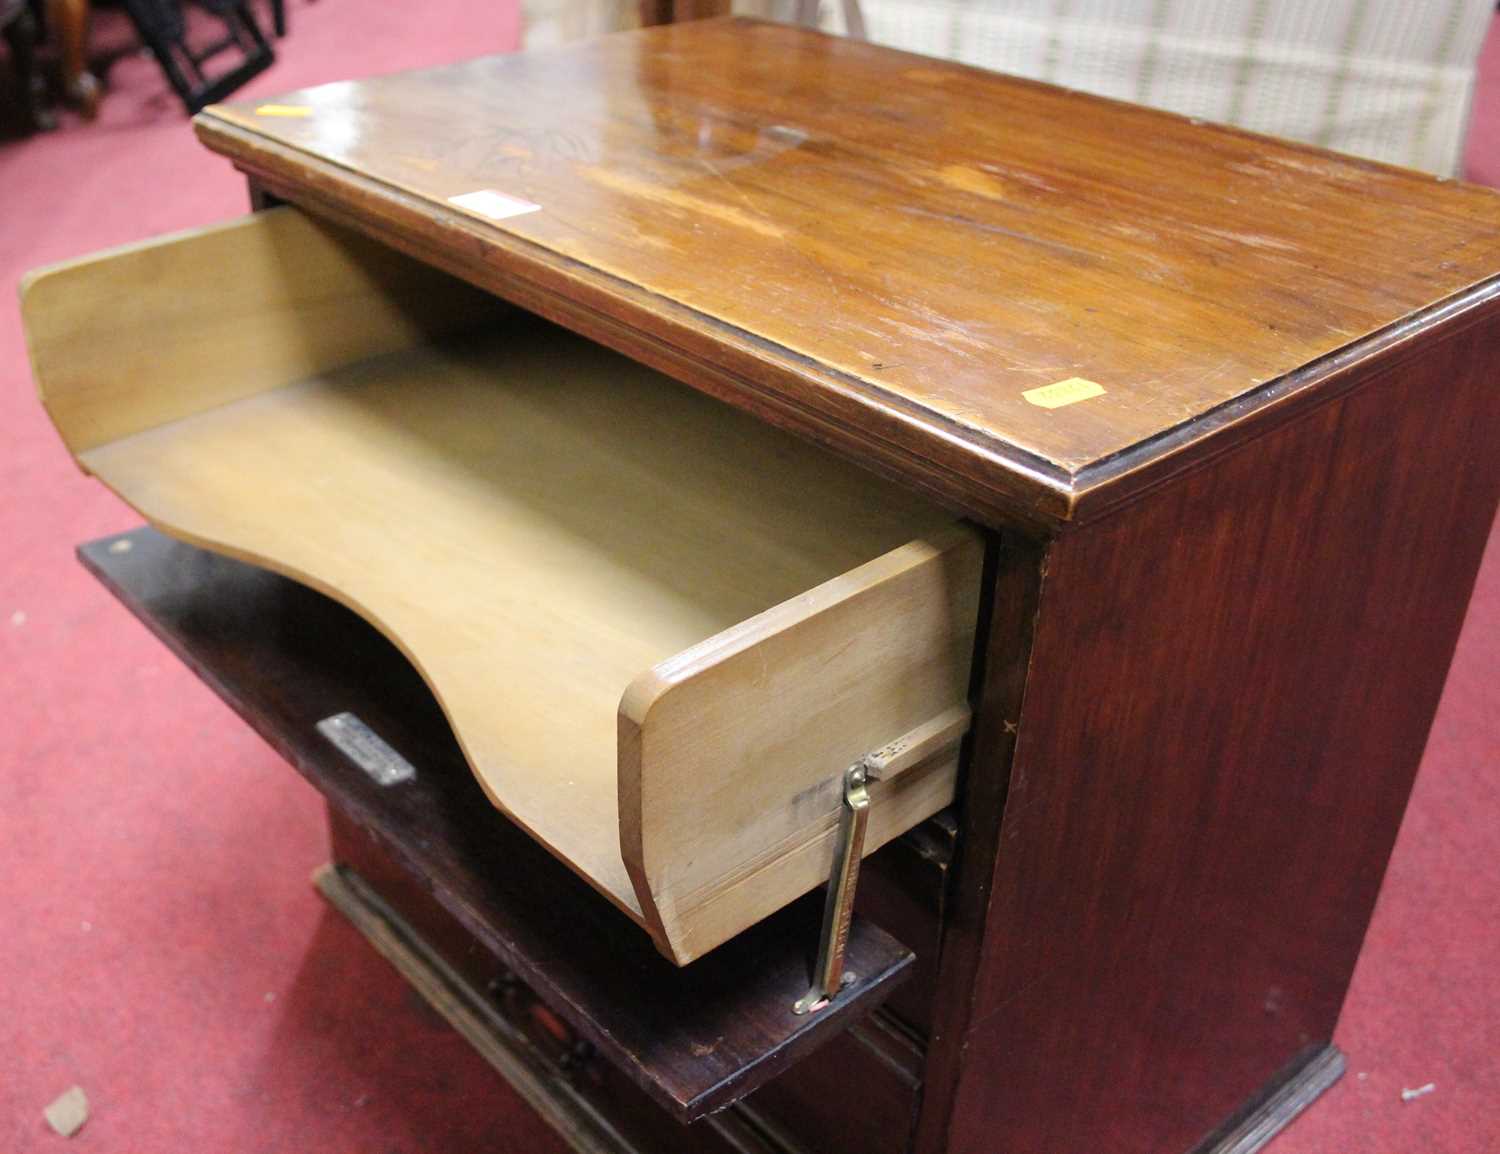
{"x": 659, "y": 629}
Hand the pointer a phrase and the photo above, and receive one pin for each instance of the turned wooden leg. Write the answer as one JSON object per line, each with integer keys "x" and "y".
{"x": 68, "y": 21}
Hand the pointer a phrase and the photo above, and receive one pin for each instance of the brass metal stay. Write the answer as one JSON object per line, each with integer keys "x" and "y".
{"x": 838, "y": 906}
{"x": 883, "y": 764}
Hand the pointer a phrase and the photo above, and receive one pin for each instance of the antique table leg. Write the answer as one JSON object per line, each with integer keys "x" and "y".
{"x": 68, "y": 21}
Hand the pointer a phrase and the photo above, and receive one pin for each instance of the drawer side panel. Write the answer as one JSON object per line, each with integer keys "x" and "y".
{"x": 132, "y": 338}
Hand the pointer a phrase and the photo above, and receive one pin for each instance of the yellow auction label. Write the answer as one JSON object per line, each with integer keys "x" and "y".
{"x": 290, "y": 111}
{"x": 1060, "y": 393}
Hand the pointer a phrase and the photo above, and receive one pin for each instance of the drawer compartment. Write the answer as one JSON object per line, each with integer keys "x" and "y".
{"x": 659, "y": 629}
{"x": 284, "y": 657}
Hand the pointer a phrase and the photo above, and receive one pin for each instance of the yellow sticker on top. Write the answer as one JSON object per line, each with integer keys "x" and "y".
{"x": 1060, "y": 393}
{"x": 290, "y": 111}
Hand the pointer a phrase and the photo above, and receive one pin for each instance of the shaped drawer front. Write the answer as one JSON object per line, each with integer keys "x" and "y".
{"x": 732, "y": 753}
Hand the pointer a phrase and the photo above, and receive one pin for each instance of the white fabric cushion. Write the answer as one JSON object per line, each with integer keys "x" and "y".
{"x": 1386, "y": 79}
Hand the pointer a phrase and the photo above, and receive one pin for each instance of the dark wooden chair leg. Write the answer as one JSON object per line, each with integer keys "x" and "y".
{"x": 674, "y": 11}
{"x": 21, "y": 35}
{"x": 68, "y": 24}
{"x": 161, "y": 28}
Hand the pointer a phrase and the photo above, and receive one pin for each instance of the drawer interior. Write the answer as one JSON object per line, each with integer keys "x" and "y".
{"x": 659, "y": 629}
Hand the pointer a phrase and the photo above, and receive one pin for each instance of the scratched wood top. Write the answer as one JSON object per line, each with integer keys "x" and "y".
{"x": 888, "y": 252}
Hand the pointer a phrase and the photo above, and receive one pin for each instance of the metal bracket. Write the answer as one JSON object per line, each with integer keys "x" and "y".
{"x": 838, "y": 906}
{"x": 941, "y": 732}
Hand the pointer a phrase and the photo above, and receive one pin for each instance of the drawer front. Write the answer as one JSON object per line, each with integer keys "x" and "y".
{"x": 732, "y": 754}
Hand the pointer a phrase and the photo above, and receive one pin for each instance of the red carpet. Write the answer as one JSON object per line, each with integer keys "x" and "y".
{"x": 159, "y": 943}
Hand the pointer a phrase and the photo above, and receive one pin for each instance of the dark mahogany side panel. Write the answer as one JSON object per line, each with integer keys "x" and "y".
{"x": 1231, "y": 687}
{"x": 1013, "y": 574}
{"x": 284, "y": 657}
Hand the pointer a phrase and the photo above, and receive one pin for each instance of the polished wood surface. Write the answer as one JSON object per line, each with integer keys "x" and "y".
{"x": 1009, "y": 613}
{"x": 888, "y": 253}
{"x": 570, "y": 547}
{"x": 284, "y": 657}
{"x": 1229, "y": 690}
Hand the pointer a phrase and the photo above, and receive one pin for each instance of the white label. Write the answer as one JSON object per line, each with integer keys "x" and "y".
{"x": 495, "y": 205}
{"x": 366, "y": 749}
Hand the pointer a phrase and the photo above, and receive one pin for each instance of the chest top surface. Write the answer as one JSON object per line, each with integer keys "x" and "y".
{"x": 899, "y": 244}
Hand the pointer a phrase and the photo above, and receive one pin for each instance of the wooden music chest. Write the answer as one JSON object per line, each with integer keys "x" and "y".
{"x": 636, "y": 482}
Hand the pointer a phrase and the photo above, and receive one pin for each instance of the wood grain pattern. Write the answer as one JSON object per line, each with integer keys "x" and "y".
{"x": 284, "y": 657}
{"x": 511, "y": 510}
{"x": 1209, "y": 664}
{"x": 1269, "y": 1113}
{"x": 885, "y": 252}
{"x": 1229, "y": 691}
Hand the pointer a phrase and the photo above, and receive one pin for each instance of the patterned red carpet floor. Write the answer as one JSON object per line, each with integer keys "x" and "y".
{"x": 159, "y": 943}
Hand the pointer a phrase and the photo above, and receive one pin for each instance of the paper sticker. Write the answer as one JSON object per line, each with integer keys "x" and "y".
{"x": 495, "y": 205}
{"x": 1060, "y": 393}
{"x": 291, "y": 111}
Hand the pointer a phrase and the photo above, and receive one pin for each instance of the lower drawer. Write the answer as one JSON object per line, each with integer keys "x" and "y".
{"x": 859, "y": 1092}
